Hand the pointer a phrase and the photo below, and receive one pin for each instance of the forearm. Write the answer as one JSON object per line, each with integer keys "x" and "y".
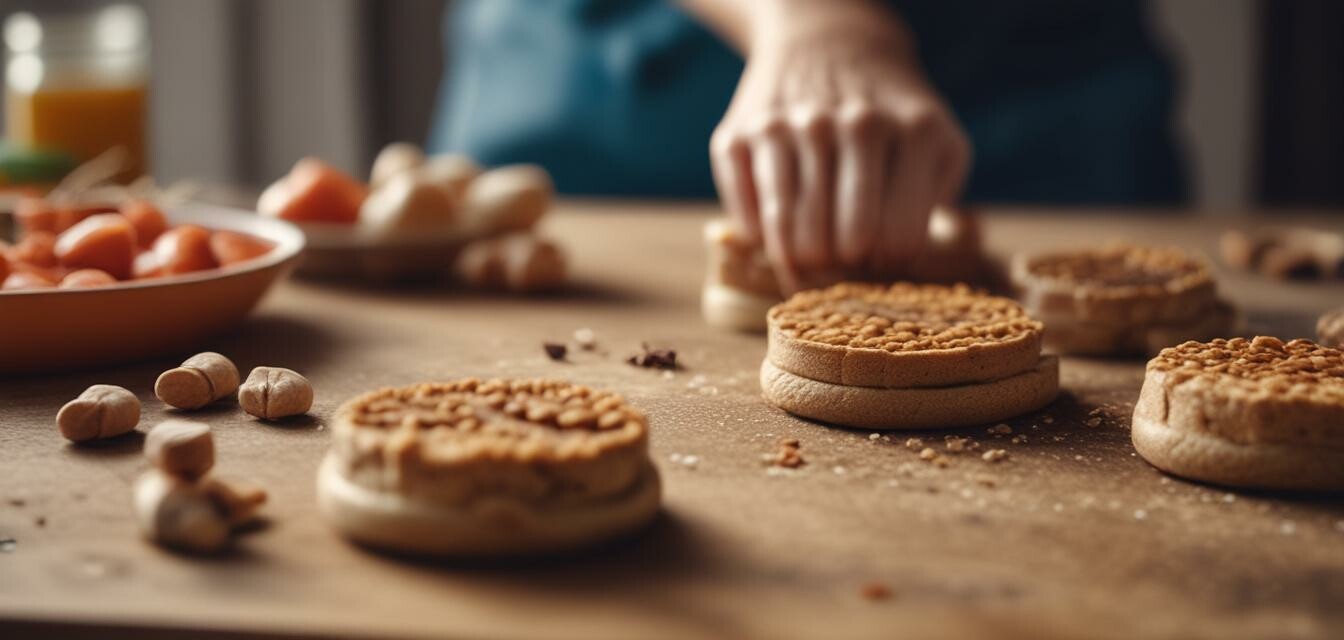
{"x": 750, "y": 24}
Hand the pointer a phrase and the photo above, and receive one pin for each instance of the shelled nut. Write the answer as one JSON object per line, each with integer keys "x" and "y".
{"x": 102, "y": 411}
{"x": 274, "y": 392}
{"x": 181, "y": 448}
{"x": 179, "y": 514}
{"x": 511, "y": 198}
{"x": 202, "y": 379}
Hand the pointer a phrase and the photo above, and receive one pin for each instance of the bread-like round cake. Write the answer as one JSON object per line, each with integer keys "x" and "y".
{"x": 1064, "y": 334}
{"x": 1330, "y": 329}
{"x": 488, "y": 468}
{"x": 902, "y": 335}
{"x": 915, "y": 407}
{"x": 1252, "y": 413}
{"x": 1115, "y": 284}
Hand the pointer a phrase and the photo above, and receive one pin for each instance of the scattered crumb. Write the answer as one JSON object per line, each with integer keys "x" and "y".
{"x": 41, "y": 521}
{"x": 928, "y": 454}
{"x": 789, "y": 455}
{"x": 838, "y": 470}
{"x": 690, "y": 461}
{"x": 874, "y": 436}
{"x": 668, "y": 375}
{"x": 1288, "y": 527}
{"x": 1019, "y": 440}
{"x": 985, "y": 480}
{"x": 1000, "y": 429}
{"x": 1229, "y": 498}
{"x": 955, "y": 444}
{"x": 586, "y": 339}
{"x": 942, "y": 462}
{"x": 994, "y": 455}
{"x": 1093, "y": 422}
{"x": 17, "y": 502}
{"x": 1140, "y": 514}
{"x": 875, "y": 591}
{"x": 1048, "y": 420}
{"x": 555, "y": 350}
{"x": 654, "y": 358}
{"x": 7, "y": 545}
{"x": 914, "y": 444}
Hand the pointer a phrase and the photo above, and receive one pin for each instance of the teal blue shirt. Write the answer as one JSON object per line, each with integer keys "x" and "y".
{"x": 1064, "y": 100}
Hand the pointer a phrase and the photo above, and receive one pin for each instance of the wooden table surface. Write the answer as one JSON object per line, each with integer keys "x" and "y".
{"x": 1076, "y": 537}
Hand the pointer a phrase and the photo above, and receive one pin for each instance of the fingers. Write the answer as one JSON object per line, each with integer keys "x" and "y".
{"x": 860, "y": 178}
{"x": 730, "y": 158}
{"x": 953, "y": 167}
{"x": 910, "y": 195}
{"x": 812, "y": 229}
{"x": 775, "y": 173}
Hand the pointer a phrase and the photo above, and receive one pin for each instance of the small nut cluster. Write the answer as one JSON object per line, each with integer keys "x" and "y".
{"x": 519, "y": 262}
{"x": 902, "y": 317}
{"x": 102, "y": 411}
{"x": 272, "y": 393}
{"x": 177, "y": 504}
{"x": 201, "y": 380}
{"x": 1298, "y": 369}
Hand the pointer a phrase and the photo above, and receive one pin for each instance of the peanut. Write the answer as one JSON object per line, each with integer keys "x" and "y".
{"x": 406, "y": 202}
{"x": 102, "y": 411}
{"x": 202, "y": 379}
{"x": 271, "y": 393}
{"x": 452, "y": 172}
{"x": 510, "y": 198}
{"x": 181, "y": 448}
{"x": 395, "y": 159}
{"x": 179, "y": 514}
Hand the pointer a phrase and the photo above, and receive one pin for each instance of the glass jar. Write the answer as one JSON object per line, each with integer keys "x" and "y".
{"x": 79, "y": 83}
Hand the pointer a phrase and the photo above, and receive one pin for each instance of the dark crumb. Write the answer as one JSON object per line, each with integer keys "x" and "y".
{"x": 876, "y": 591}
{"x": 17, "y": 502}
{"x": 654, "y": 358}
{"x": 788, "y": 456}
{"x": 41, "y": 521}
{"x": 555, "y": 350}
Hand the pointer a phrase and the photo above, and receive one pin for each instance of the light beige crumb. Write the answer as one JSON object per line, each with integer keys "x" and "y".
{"x": 994, "y": 455}
{"x": 955, "y": 444}
{"x": 1001, "y": 429}
{"x": 914, "y": 444}
{"x": 928, "y": 454}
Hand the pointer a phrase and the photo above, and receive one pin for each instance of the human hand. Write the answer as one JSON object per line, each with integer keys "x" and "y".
{"x": 835, "y": 149}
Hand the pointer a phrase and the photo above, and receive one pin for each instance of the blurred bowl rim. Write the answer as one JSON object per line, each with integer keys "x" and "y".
{"x": 289, "y": 243}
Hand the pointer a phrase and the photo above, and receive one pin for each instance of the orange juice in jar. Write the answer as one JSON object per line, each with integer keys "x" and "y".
{"x": 79, "y": 83}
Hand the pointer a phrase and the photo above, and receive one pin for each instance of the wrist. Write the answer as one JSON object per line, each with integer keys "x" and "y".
{"x": 777, "y": 24}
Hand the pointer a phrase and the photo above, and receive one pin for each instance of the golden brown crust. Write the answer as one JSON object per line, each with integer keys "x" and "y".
{"x": 1116, "y": 283}
{"x": 902, "y": 335}
{"x": 1249, "y": 392}
{"x": 1065, "y": 335}
{"x": 537, "y": 441}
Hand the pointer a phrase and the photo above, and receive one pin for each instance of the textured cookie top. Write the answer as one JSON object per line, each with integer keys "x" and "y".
{"x": 1330, "y": 329}
{"x": 1298, "y": 371}
{"x": 1121, "y": 266}
{"x": 902, "y": 317}
{"x": 516, "y": 419}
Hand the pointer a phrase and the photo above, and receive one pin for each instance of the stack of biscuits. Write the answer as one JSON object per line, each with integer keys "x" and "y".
{"x": 905, "y": 356}
{"x": 488, "y": 468}
{"x": 1121, "y": 299}
{"x": 1255, "y": 413}
{"x": 740, "y": 284}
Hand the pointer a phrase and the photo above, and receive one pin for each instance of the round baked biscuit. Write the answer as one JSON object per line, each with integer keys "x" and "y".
{"x": 1254, "y": 413}
{"x": 730, "y": 308}
{"x": 901, "y": 335}
{"x": 1115, "y": 284}
{"x": 1065, "y": 335}
{"x": 488, "y": 467}
{"x": 1330, "y": 329}
{"x": 912, "y": 408}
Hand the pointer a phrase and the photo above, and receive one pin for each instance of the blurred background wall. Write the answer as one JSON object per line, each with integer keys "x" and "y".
{"x": 242, "y": 88}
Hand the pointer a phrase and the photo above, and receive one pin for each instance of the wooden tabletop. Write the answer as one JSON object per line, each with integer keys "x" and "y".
{"x": 1072, "y": 536}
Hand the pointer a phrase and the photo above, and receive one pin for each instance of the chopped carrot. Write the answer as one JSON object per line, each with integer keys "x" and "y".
{"x": 36, "y": 214}
{"x": 184, "y": 249}
{"x": 231, "y": 247}
{"x": 104, "y": 241}
{"x": 21, "y": 280}
{"x": 314, "y": 191}
{"x": 37, "y": 248}
{"x": 147, "y": 265}
{"x": 85, "y": 278}
{"x": 4, "y": 264}
{"x": 148, "y": 220}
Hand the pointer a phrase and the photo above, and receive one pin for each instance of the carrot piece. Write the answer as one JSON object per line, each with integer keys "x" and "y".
{"x": 37, "y": 248}
{"x": 105, "y": 241}
{"x": 314, "y": 191}
{"x": 4, "y": 264}
{"x": 147, "y": 265}
{"x": 184, "y": 249}
{"x": 36, "y": 214}
{"x": 22, "y": 280}
{"x": 85, "y": 278}
{"x": 148, "y": 220}
{"x": 231, "y": 247}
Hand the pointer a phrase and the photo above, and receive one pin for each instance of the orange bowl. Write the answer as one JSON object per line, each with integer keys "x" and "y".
{"x": 51, "y": 330}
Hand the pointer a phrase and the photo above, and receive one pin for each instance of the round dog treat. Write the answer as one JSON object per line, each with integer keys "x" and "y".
{"x": 1330, "y": 329}
{"x": 1064, "y": 334}
{"x": 1253, "y": 413}
{"x": 902, "y": 335}
{"x": 916, "y": 407}
{"x": 1116, "y": 284}
{"x": 501, "y": 467}
{"x": 732, "y": 308}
